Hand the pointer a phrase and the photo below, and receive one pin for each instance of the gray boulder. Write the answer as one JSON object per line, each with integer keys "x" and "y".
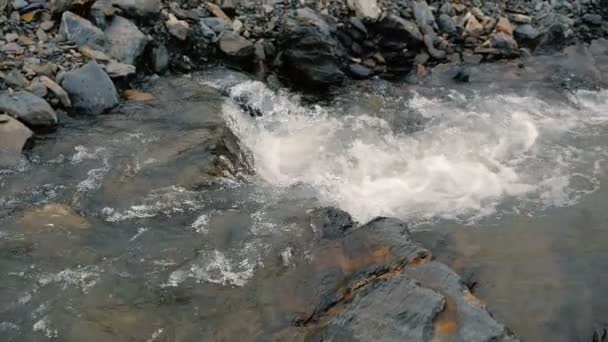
{"x": 526, "y": 35}
{"x": 397, "y": 33}
{"x": 28, "y": 108}
{"x": 13, "y": 138}
{"x": 125, "y": 41}
{"x": 80, "y": 31}
{"x": 312, "y": 55}
{"x": 235, "y": 46}
{"x": 91, "y": 90}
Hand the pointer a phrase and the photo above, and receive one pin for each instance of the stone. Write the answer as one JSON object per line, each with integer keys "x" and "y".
{"x": 365, "y": 8}
{"x": 41, "y": 35}
{"x": 526, "y": 35}
{"x": 47, "y": 25}
{"x": 433, "y": 51}
{"x": 11, "y": 37}
{"x": 94, "y": 54}
{"x": 16, "y": 79}
{"x": 235, "y": 46}
{"x": 311, "y": 53}
{"x": 100, "y": 12}
{"x": 13, "y": 48}
{"x": 593, "y": 19}
{"x": 237, "y": 26}
{"x": 138, "y": 96}
{"x": 80, "y": 31}
{"x": 140, "y": 8}
{"x": 30, "y": 109}
{"x": 217, "y": 11}
{"x": 90, "y": 89}
{"x": 462, "y": 75}
{"x": 218, "y": 25}
{"x": 206, "y": 31}
{"x": 521, "y": 19}
{"x": 473, "y": 27}
{"x": 424, "y": 16}
{"x": 19, "y": 4}
{"x": 57, "y": 90}
{"x": 358, "y": 71}
{"x": 372, "y": 283}
{"x": 160, "y": 58}
{"x": 178, "y": 28}
{"x": 116, "y": 69}
{"x": 37, "y": 88}
{"x": 446, "y": 24}
{"x": 125, "y": 41}
{"x": 14, "y": 137}
{"x": 330, "y": 222}
{"x": 505, "y": 43}
{"x": 398, "y": 33}
{"x": 504, "y": 25}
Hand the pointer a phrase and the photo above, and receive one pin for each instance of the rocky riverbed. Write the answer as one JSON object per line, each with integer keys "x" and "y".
{"x": 149, "y": 192}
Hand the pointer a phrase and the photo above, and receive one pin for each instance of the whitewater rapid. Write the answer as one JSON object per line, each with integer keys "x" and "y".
{"x": 475, "y": 155}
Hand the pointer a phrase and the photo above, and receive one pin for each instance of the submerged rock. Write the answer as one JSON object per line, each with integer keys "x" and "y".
{"x": 53, "y": 217}
{"x": 14, "y": 137}
{"x": 90, "y": 88}
{"x": 311, "y": 52}
{"x": 28, "y": 108}
{"x": 374, "y": 283}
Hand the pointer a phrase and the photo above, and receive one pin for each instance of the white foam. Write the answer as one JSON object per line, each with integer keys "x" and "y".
{"x": 83, "y": 278}
{"x": 201, "y": 224}
{"x": 472, "y": 155}
{"x": 44, "y": 327}
{"x": 165, "y": 201}
{"x": 214, "y": 267}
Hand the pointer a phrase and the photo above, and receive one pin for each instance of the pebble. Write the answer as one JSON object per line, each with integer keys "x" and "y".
{"x": 11, "y": 37}
{"x": 13, "y": 48}
{"x": 57, "y": 90}
{"x": 178, "y": 28}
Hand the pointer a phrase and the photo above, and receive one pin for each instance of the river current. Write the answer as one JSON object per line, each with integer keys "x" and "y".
{"x": 506, "y": 186}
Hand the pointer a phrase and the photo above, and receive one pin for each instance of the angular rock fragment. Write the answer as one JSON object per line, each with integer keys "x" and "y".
{"x": 125, "y": 41}
{"x": 90, "y": 89}
{"x": 178, "y": 28}
{"x": 80, "y": 31}
{"x": 57, "y": 90}
{"x": 235, "y": 46}
{"x": 311, "y": 51}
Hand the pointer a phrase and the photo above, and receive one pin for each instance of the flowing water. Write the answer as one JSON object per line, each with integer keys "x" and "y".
{"x": 506, "y": 185}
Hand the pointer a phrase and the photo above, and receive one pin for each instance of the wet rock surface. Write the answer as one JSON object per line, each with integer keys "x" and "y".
{"x": 376, "y": 283}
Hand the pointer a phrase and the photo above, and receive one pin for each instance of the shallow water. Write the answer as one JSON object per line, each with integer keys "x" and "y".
{"x": 148, "y": 249}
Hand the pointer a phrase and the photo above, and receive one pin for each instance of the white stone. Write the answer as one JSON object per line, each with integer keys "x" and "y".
{"x": 365, "y": 8}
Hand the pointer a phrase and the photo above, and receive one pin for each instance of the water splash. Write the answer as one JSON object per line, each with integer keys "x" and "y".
{"x": 474, "y": 155}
